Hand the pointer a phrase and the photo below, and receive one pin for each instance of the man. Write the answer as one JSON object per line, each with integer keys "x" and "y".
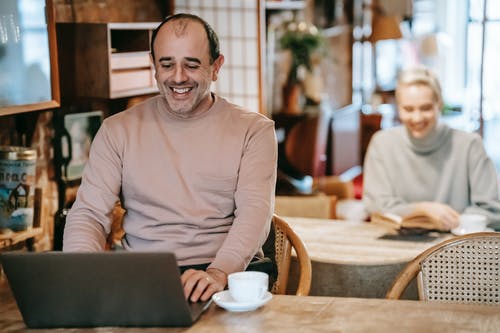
{"x": 195, "y": 173}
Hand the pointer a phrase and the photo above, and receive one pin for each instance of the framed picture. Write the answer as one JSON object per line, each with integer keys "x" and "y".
{"x": 79, "y": 130}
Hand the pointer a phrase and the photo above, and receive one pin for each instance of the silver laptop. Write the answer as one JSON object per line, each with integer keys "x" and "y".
{"x": 56, "y": 289}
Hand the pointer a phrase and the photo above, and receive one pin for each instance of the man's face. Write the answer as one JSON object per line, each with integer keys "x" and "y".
{"x": 183, "y": 70}
{"x": 418, "y": 109}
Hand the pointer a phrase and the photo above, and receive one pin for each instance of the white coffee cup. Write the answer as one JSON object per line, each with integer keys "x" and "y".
{"x": 248, "y": 286}
{"x": 472, "y": 223}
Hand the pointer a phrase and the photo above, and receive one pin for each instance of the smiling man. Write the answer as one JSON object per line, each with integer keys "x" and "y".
{"x": 186, "y": 65}
{"x": 426, "y": 166}
{"x": 195, "y": 173}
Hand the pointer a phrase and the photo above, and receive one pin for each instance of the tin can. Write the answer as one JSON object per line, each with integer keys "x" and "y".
{"x": 17, "y": 187}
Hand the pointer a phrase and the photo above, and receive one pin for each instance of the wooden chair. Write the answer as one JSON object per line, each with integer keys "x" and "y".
{"x": 464, "y": 269}
{"x": 306, "y": 141}
{"x": 334, "y": 185}
{"x": 284, "y": 240}
{"x": 347, "y": 206}
{"x": 114, "y": 239}
{"x": 315, "y": 206}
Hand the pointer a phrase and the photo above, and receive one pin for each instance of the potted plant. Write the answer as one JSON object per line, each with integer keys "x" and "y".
{"x": 301, "y": 40}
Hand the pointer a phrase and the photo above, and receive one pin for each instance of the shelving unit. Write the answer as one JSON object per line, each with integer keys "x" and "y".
{"x": 118, "y": 55}
{"x": 131, "y": 71}
{"x": 7, "y": 240}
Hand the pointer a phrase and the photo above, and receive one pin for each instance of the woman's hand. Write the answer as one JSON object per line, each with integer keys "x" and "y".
{"x": 448, "y": 217}
{"x": 201, "y": 285}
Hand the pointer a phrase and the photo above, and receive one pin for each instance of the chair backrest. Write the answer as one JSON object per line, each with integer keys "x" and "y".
{"x": 314, "y": 206}
{"x": 307, "y": 141}
{"x": 334, "y": 185}
{"x": 285, "y": 240}
{"x": 464, "y": 269}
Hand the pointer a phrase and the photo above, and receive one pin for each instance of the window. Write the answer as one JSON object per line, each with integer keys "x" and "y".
{"x": 236, "y": 24}
{"x": 489, "y": 25}
{"x": 459, "y": 27}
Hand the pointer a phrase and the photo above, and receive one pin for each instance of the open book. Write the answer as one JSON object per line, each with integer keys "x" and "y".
{"x": 415, "y": 221}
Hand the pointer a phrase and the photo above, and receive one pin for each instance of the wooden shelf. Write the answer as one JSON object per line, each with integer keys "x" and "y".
{"x": 285, "y": 5}
{"x": 7, "y": 240}
{"x": 11, "y": 238}
{"x": 111, "y": 60}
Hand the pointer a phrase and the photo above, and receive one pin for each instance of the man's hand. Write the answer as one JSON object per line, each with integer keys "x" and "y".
{"x": 448, "y": 216}
{"x": 201, "y": 285}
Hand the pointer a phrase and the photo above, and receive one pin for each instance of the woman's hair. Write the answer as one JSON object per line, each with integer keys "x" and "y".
{"x": 420, "y": 75}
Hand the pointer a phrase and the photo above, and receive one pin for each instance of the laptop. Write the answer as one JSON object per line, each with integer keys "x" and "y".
{"x": 60, "y": 289}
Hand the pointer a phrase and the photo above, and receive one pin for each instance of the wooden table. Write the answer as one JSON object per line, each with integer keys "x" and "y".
{"x": 350, "y": 260}
{"x": 309, "y": 314}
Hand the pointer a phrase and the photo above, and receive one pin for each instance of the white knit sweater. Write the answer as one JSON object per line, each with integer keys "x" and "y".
{"x": 447, "y": 166}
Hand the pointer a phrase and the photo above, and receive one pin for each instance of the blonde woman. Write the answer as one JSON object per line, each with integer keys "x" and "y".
{"x": 424, "y": 165}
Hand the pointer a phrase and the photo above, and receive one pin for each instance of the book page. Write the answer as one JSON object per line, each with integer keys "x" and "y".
{"x": 389, "y": 220}
{"x": 420, "y": 220}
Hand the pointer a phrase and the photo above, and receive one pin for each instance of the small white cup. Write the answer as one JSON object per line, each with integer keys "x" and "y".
{"x": 473, "y": 223}
{"x": 247, "y": 286}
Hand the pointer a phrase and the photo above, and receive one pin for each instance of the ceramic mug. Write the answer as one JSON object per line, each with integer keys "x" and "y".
{"x": 248, "y": 286}
{"x": 472, "y": 223}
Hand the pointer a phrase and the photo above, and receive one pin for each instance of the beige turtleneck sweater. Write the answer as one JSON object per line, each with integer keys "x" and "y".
{"x": 201, "y": 187}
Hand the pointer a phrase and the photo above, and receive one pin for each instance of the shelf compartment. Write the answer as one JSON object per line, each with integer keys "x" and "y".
{"x": 123, "y": 80}
{"x": 130, "y": 60}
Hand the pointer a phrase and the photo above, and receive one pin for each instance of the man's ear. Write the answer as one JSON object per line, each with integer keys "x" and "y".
{"x": 153, "y": 64}
{"x": 217, "y": 66}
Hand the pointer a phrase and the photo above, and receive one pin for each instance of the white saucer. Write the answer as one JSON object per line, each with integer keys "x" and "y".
{"x": 459, "y": 231}
{"x": 224, "y": 300}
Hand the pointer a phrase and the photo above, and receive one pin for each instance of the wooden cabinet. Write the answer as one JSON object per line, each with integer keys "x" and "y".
{"x": 110, "y": 60}
{"x": 29, "y": 79}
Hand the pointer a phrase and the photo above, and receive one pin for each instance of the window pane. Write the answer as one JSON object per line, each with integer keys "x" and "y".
{"x": 476, "y": 9}
{"x": 491, "y": 78}
{"x": 471, "y": 105}
{"x": 493, "y": 12}
{"x": 424, "y": 19}
{"x": 387, "y": 63}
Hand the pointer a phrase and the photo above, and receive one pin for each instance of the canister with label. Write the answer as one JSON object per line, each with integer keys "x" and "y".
{"x": 17, "y": 187}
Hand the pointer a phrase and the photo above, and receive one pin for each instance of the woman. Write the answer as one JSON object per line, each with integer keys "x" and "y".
{"x": 425, "y": 165}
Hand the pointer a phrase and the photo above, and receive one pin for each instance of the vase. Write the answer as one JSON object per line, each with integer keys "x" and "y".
{"x": 292, "y": 98}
